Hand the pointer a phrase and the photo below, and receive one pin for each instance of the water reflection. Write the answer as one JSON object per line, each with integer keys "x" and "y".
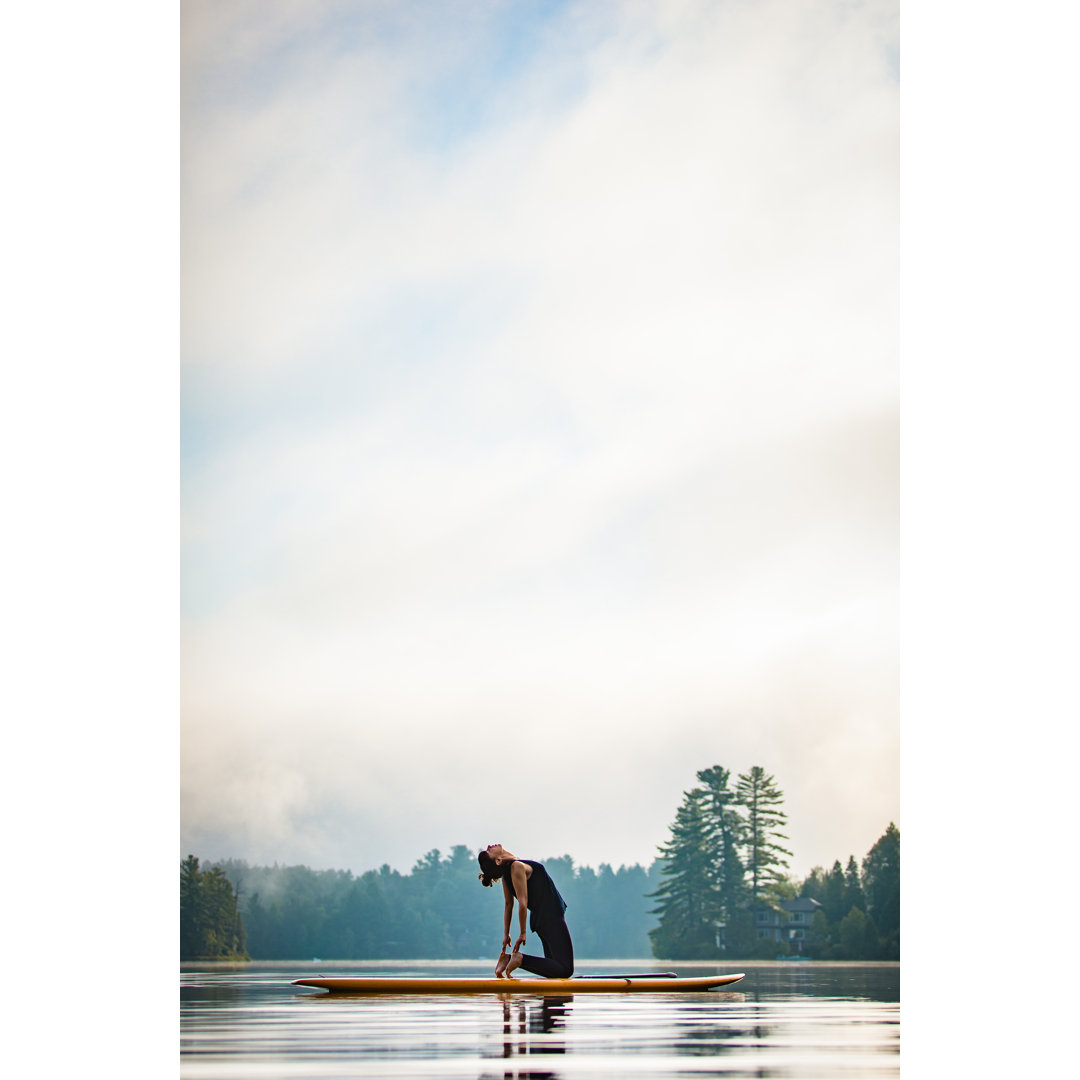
{"x": 715, "y": 1029}
{"x": 532, "y": 1026}
{"x": 211, "y": 994}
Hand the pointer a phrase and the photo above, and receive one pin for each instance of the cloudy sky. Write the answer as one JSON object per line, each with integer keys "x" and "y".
{"x": 539, "y": 423}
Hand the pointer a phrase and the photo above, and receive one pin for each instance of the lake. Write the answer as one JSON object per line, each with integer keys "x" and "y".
{"x": 793, "y": 1020}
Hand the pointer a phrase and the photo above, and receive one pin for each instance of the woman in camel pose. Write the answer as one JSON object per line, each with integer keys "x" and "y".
{"x": 531, "y": 885}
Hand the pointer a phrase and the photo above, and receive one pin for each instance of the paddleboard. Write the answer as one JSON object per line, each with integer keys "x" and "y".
{"x": 617, "y": 985}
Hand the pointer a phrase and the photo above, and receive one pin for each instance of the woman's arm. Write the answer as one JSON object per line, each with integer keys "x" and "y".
{"x": 508, "y": 910}
{"x": 519, "y": 881}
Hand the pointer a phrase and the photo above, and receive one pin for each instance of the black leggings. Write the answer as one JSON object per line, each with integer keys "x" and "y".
{"x": 558, "y": 959}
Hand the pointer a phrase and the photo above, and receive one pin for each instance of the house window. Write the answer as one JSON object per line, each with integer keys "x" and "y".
{"x": 763, "y": 934}
{"x": 796, "y": 916}
{"x": 795, "y": 935}
{"x": 762, "y": 916}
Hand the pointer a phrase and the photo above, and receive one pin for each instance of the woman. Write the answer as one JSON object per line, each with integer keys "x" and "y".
{"x": 530, "y": 884}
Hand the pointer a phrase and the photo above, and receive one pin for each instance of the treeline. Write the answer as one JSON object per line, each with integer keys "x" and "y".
{"x": 211, "y": 926}
{"x": 725, "y": 890}
{"x": 436, "y": 911}
{"x": 720, "y": 889}
{"x": 859, "y": 918}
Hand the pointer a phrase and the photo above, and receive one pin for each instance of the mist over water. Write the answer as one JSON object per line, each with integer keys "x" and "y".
{"x": 796, "y": 1020}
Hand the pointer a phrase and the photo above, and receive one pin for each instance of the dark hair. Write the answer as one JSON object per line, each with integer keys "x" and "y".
{"x": 492, "y": 871}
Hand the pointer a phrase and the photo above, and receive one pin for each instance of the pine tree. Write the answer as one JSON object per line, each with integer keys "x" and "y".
{"x": 765, "y": 862}
{"x": 853, "y": 890}
{"x": 689, "y": 904}
{"x": 221, "y": 931}
{"x": 190, "y": 909}
{"x": 835, "y": 908}
{"x": 210, "y": 923}
{"x": 722, "y": 809}
{"x": 881, "y": 883}
{"x": 814, "y": 885}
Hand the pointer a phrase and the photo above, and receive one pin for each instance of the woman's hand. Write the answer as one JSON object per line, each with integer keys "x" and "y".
{"x": 506, "y": 943}
{"x": 518, "y": 944}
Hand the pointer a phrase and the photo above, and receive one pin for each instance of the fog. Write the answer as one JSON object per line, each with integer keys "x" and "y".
{"x": 540, "y": 410}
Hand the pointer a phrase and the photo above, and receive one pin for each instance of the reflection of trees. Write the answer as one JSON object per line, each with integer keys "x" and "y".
{"x": 212, "y": 994}
{"x": 718, "y": 1033}
{"x": 857, "y": 981}
{"x": 523, "y": 1020}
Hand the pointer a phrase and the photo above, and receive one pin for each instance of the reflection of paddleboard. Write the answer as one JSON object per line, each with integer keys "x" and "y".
{"x": 651, "y": 984}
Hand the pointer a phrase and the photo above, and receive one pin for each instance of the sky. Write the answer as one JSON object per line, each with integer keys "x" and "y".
{"x": 539, "y": 424}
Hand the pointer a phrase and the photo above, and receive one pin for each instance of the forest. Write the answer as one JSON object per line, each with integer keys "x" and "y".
{"x": 716, "y": 890}
{"x": 725, "y": 884}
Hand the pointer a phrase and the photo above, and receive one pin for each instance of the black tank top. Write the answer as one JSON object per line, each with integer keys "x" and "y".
{"x": 545, "y": 904}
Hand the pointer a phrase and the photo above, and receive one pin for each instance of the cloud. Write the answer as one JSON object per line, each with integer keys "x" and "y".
{"x": 546, "y": 445}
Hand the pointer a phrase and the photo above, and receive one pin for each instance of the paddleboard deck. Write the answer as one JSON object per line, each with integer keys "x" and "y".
{"x": 631, "y": 984}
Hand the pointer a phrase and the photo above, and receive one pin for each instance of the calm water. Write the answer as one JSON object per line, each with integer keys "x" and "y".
{"x": 792, "y": 1020}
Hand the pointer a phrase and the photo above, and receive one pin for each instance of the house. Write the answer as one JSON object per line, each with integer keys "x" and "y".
{"x": 788, "y": 921}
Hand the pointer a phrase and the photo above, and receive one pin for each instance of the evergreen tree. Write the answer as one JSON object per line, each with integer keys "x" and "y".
{"x": 210, "y": 923}
{"x": 468, "y": 923}
{"x": 881, "y": 882}
{"x": 689, "y": 905}
{"x": 871, "y": 949}
{"x": 376, "y": 924}
{"x": 853, "y": 890}
{"x": 852, "y": 935}
{"x": 222, "y": 932}
{"x": 764, "y": 861}
{"x": 629, "y": 916}
{"x": 190, "y": 908}
{"x": 256, "y": 923}
{"x": 784, "y": 887}
{"x": 814, "y": 885}
{"x": 835, "y": 908}
{"x": 722, "y": 811}
{"x": 820, "y": 936}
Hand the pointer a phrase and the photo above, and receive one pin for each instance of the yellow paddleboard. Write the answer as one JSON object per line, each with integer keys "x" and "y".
{"x": 614, "y": 985}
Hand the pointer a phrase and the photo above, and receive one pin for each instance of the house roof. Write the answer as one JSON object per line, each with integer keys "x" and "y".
{"x": 802, "y": 903}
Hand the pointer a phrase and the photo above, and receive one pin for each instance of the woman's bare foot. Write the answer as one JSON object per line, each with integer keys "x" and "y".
{"x": 513, "y": 965}
{"x": 500, "y": 965}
